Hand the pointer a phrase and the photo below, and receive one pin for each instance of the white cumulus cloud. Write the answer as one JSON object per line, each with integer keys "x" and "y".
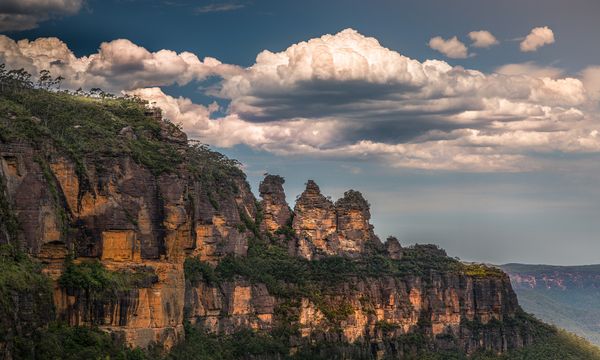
{"x": 347, "y": 96}
{"x": 537, "y": 38}
{"x": 118, "y": 64}
{"x": 482, "y": 39}
{"x": 452, "y": 48}
{"x": 591, "y": 81}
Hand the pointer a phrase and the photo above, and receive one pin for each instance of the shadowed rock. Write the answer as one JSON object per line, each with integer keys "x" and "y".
{"x": 393, "y": 248}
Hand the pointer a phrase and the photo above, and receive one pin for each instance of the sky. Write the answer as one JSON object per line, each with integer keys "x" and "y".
{"x": 471, "y": 124}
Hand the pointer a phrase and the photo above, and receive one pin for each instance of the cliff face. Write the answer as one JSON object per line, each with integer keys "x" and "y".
{"x": 453, "y": 311}
{"x": 565, "y": 296}
{"x": 116, "y": 209}
{"x": 553, "y": 277}
{"x": 126, "y": 217}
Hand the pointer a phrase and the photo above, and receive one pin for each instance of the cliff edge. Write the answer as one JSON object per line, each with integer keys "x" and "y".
{"x": 147, "y": 237}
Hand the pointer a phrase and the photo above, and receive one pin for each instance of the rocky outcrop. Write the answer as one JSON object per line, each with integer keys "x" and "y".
{"x": 315, "y": 221}
{"x": 565, "y": 296}
{"x": 454, "y": 311}
{"x": 275, "y": 210}
{"x": 324, "y": 228}
{"x": 548, "y": 277}
{"x": 393, "y": 248}
{"x": 353, "y": 228}
{"x": 441, "y": 307}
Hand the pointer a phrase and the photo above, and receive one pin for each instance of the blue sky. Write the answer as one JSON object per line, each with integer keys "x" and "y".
{"x": 498, "y": 168}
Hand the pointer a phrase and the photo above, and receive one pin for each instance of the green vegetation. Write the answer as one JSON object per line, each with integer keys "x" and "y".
{"x": 25, "y": 295}
{"x": 292, "y": 277}
{"x": 269, "y": 262}
{"x": 89, "y": 127}
{"x": 575, "y": 310}
{"x": 95, "y": 125}
{"x": 81, "y": 127}
{"x": 244, "y": 344}
{"x": 481, "y": 270}
{"x": 100, "y": 283}
{"x": 216, "y": 174}
{"x": 557, "y": 345}
{"x": 59, "y": 341}
{"x": 573, "y": 305}
{"x": 287, "y": 230}
{"x": 65, "y": 342}
{"x": 197, "y": 271}
{"x": 549, "y": 269}
{"x": 386, "y": 326}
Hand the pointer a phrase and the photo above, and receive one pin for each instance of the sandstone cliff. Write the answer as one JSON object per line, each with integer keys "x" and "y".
{"x": 175, "y": 235}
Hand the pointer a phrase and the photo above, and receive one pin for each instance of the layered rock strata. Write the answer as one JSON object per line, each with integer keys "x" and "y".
{"x": 114, "y": 210}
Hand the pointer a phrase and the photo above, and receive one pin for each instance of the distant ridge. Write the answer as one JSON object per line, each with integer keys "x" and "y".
{"x": 566, "y": 296}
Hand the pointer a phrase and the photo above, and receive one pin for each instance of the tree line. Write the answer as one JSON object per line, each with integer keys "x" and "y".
{"x": 18, "y": 80}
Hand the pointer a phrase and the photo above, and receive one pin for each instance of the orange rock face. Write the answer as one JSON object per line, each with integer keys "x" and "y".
{"x": 126, "y": 217}
{"x": 120, "y": 246}
{"x": 123, "y": 215}
{"x": 276, "y": 212}
{"x": 325, "y": 228}
{"x": 231, "y": 307}
{"x": 315, "y": 221}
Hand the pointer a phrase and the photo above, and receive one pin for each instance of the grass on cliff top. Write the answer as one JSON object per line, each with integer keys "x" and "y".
{"x": 81, "y": 127}
{"x": 86, "y": 129}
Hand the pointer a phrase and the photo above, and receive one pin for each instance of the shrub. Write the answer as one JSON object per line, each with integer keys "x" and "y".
{"x": 60, "y": 341}
{"x": 200, "y": 345}
{"x": 25, "y": 295}
{"x": 197, "y": 271}
{"x": 99, "y": 282}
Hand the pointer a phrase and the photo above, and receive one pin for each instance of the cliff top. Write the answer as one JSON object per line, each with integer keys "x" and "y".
{"x": 95, "y": 125}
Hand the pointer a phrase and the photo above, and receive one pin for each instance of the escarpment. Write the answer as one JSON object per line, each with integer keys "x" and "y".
{"x": 142, "y": 233}
{"x": 122, "y": 215}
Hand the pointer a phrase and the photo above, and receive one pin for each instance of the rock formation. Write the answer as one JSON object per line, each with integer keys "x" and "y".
{"x": 276, "y": 212}
{"x": 325, "y": 228}
{"x": 354, "y": 231}
{"x": 393, "y": 248}
{"x": 125, "y": 216}
{"x": 119, "y": 210}
{"x": 315, "y": 222}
